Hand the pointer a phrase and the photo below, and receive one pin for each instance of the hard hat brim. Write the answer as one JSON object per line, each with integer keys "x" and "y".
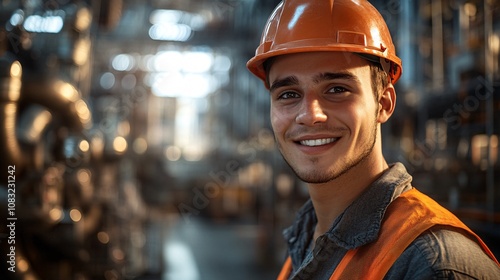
{"x": 256, "y": 63}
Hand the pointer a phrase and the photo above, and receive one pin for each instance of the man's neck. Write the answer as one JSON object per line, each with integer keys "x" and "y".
{"x": 332, "y": 198}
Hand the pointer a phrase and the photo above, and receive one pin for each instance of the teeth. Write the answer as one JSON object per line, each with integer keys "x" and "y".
{"x": 318, "y": 142}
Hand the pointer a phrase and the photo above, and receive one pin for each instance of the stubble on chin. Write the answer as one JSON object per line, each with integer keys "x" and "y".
{"x": 318, "y": 176}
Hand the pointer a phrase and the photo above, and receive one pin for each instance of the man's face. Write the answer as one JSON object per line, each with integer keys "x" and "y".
{"x": 323, "y": 113}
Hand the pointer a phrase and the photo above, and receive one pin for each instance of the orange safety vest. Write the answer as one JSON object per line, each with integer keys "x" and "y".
{"x": 406, "y": 218}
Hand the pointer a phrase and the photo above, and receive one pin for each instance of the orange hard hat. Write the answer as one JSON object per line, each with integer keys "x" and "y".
{"x": 355, "y": 26}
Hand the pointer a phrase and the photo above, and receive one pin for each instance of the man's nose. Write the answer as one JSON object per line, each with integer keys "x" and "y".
{"x": 310, "y": 112}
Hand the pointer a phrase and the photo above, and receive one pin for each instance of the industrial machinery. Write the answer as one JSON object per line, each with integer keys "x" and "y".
{"x": 63, "y": 215}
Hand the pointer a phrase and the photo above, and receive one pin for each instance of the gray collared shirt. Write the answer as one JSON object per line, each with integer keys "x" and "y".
{"x": 436, "y": 254}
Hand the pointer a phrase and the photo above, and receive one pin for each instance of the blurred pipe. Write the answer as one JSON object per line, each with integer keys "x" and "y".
{"x": 62, "y": 99}
{"x": 33, "y": 123}
{"x": 437, "y": 45}
{"x": 489, "y": 72}
{"x": 110, "y": 12}
{"x": 58, "y": 96}
{"x": 10, "y": 91}
{"x": 405, "y": 39}
{"x": 31, "y": 126}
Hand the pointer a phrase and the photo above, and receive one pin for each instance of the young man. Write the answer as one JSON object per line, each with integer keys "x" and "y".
{"x": 330, "y": 67}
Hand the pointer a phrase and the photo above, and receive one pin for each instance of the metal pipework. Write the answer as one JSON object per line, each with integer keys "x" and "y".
{"x": 10, "y": 92}
{"x": 62, "y": 99}
{"x": 58, "y": 96}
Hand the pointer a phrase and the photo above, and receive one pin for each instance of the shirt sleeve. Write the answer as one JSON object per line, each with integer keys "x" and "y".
{"x": 444, "y": 254}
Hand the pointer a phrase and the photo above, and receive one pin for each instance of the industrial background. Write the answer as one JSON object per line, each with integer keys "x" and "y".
{"x": 134, "y": 144}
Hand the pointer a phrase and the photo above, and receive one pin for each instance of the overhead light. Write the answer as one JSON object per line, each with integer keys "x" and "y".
{"x": 123, "y": 62}
{"x": 17, "y": 18}
{"x": 163, "y": 16}
{"x": 43, "y": 24}
{"x": 175, "y": 84}
{"x": 174, "y": 25}
{"x": 197, "y": 62}
{"x": 170, "y": 32}
{"x": 107, "y": 80}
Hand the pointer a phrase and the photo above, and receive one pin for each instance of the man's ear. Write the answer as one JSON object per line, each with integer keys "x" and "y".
{"x": 386, "y": 103}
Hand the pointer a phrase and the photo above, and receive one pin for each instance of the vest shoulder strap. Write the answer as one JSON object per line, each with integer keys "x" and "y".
{"x": 286, "y": 269}
{"x": 407, "y": 217}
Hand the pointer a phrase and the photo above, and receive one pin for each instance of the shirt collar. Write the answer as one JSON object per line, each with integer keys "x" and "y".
{"x": 360, "y": 223}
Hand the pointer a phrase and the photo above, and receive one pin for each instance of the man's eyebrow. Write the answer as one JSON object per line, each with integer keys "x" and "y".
{"x": 326, "y": 76}
{"x": 287, "y": 81}
{"x": 335, "y": 76}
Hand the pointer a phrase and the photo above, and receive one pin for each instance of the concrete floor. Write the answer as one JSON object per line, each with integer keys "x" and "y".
{"x": 204, "y": 250}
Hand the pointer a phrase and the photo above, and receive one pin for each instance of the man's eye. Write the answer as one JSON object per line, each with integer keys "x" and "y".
{"x": 288, "y": 95}
{"x": 337, "y": 89}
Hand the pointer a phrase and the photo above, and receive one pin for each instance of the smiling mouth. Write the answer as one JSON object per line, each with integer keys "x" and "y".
{"x": 318, "y": 142}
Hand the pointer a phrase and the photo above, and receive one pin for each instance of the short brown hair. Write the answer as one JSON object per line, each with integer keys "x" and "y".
{"x": 379, "y": 77}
